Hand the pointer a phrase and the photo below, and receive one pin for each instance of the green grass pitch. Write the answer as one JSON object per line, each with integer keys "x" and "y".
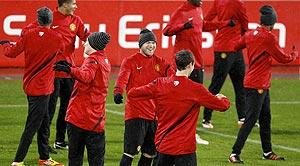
{"x": 285, "y": 107}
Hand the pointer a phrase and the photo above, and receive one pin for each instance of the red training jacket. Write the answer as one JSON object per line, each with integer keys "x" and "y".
{"x": 69, "y": 26}
{"x": 190, "y": 39}
{"x": 226, "y": 10}
{"x": 175, "y": 96}
{"x": 87, "y": 104}
{"x": 41, "y": 45}
{"x": 262, "y": 46}
{"x": 135, "y": 71}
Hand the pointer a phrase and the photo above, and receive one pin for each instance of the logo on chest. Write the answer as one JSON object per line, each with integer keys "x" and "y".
{"x": 72, "y": 27}
{"x": 157, "y": 67}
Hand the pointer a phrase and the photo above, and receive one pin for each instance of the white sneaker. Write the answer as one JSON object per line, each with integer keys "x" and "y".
{"x": 241, "y": 122}
{"x": 201, "y": 141}
{"x": 207, "y": 124}
{"x": 257, "y": 125}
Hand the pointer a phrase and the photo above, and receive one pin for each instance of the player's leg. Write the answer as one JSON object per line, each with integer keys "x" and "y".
{"x": 148, "y": 148}
{"x": 133, "y": 140}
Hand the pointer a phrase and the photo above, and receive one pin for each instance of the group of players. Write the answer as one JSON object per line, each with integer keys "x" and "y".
{"x": 163, "y": 100}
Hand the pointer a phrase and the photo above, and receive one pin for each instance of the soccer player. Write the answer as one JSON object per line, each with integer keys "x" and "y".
{"x": 262, "y": 46}
{"x": 86, "y": 111}
{"x": 140, "y": 123}
{"x": 187, "y": 24}
{"x": 176, "y": 98}
{"x": 226, "y": 59}
{"x": 40, "y": 45}
{"x": 69, "y": 26}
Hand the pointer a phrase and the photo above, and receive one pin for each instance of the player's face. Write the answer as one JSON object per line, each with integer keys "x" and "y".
{"x": 148, "y": 48}
{"x": 87, "y": 48}
{"x": 70, "y": 7}
{"x": 195, "y": 2}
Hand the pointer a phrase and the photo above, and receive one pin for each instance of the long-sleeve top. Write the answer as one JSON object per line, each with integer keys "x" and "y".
{"x": 190, "y": 39}
{"x": 137, "y": 70}
{"x": 69, "y": 26}
{"x": 41, "y": 47}
{"x": 87, "y": 104}
{"x": 177, "y": 97}
{"x": 262, "y": 46}
{"x": 225, "y": 10}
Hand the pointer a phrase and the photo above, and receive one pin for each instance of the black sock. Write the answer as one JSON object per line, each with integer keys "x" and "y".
{"x": 145, "y": 161}
{"x": 126, "y": 160}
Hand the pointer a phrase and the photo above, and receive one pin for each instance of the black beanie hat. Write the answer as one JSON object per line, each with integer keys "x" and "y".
{"x": 99, "y": 40}
{"x": 44, "y": 16}
{"x": 268, "y": 15}
{"x": 145, "y": 36}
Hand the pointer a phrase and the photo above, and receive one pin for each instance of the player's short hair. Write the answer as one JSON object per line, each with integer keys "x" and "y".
{"x": 44, "y": 16}
{"x": 61, "y": 2}
{"x": 183, "y": 59}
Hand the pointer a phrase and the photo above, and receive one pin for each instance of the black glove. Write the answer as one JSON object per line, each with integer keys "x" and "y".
{"x": 187, "y": 25}
{"x": 3, "y": 42}
{"x": 63, "y": 62}
{"x": 118, "y": 98}
{"x": 231, "y": 23}
{"x": 62, "y": 67}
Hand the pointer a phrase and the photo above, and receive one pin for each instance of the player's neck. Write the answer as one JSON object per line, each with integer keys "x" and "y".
{"x": 182, "y": 73}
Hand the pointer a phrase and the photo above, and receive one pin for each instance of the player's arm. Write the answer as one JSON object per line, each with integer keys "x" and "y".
{"x": 13, "y": 50}
{"x": 278, "y": 53}
{"x": 215, "y": 102}
{"x": 212, "y": 13}
{"x": 123, "y": 77}
{"x": 143, "y": 92}
{"x": 240, "y": 44}
{"x": 82, "y": 32}
{"x": 241, "y": 15}
{"x": 175, "y": 26}
{"x": 87, "y": 72}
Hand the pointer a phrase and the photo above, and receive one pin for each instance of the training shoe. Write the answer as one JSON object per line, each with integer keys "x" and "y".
{"x": 201, "y": 141}
{"x": 60, "y": 145}
{"x": 272, "y": 156}
{"x": 257, "y": 124}
{"x": 233, "y": 158}
{"x": 49, "y": 162}
{"x": 17, "y": 164}
{"x": 241, "y": 122}
{"x": 207, "y": 124}
{"x": 51, "y": 150}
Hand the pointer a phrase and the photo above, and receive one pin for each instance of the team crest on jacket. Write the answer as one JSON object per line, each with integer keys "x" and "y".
{"x": 41, "y": 34}
{"x": 72, "y": 27}
{"x": 176, "y": 83}
{"x": 223, "y": 55}
{"x": 157, "y": 67}
{"x": 106, "y": 61}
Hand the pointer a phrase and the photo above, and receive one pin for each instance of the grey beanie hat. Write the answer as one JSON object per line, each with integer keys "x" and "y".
{"x": 145, "y": 36}
{"x": 268, "y": 15}
{"x": 99, "y": 40}
{"x": 44, "y": 16}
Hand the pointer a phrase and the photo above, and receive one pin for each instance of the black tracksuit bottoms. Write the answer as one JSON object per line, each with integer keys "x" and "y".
{"x": 257, "y": 107}
{"x": 37, "y": 122}
{"x": 231, "y": 63}
{"x": 63, "y": 88}
{"x": 79, "y": 139}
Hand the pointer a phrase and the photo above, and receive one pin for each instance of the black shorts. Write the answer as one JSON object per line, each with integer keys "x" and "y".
{"x": 139, "y": 136}
{"x": 177, "y": 160}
